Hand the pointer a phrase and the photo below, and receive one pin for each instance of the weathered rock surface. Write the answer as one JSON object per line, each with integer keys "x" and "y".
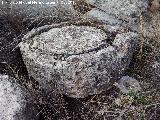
{"x": 77, "y": 60}
{"x": 15, "y": 103}
{"x": 121, "y": 8}
{"x": 118, "y": 12}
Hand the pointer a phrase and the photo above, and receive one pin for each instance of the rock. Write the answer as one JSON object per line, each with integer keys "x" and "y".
{"x": 77, "y": 60}
{"x": 123, "y": 13}
{"x": 15, "y": 103}
{"x": 102, "y": 16}
{"x": 121, "y": 8}
{"x": 128, "y": 84}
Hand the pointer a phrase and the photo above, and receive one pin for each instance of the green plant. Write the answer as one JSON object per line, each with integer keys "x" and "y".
{"x": 139, "y": 98}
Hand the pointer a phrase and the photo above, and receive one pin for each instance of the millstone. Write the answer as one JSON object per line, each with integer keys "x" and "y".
{"x": 77, "y": 60}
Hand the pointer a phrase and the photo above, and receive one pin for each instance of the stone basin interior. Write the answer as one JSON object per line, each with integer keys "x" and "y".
{"x": 67, "y": 41}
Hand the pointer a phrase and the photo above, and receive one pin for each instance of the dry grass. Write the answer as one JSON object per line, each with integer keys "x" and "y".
{"x": 109, "y": 105}
{"x": 112, "y": 104}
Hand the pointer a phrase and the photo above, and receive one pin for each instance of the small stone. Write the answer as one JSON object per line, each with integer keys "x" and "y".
{"x": 128, "y": 84}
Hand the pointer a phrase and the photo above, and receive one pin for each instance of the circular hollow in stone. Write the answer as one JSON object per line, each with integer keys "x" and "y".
{"x": 128, "y": 84}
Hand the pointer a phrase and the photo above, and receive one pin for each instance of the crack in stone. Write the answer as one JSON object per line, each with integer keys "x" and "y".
{"x": 105, "y": 43}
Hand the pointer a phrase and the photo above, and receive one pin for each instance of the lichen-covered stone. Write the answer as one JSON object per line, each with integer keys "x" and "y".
{"x": 77, "y": 60}
{"x": 118, "y": 12}
{"x": 121, "y": 8}
{"x": 128, "y": 84}
{"x": 102, "y": 16}
{"x": 15, "y": 102}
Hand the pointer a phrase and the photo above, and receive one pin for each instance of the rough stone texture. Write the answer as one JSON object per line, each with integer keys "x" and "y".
{"x": 15, "y": 103}
{"x": 118, "y": 12}
{"x": 77, "y": 60}
{"x": 128, "y": 84}
{"x": 103, "y": 16}
{"x": 121, "y": 8}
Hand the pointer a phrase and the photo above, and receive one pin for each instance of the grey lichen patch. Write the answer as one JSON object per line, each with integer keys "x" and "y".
{"x": 75, "y": 60}
{"x": 67, "y": 41}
